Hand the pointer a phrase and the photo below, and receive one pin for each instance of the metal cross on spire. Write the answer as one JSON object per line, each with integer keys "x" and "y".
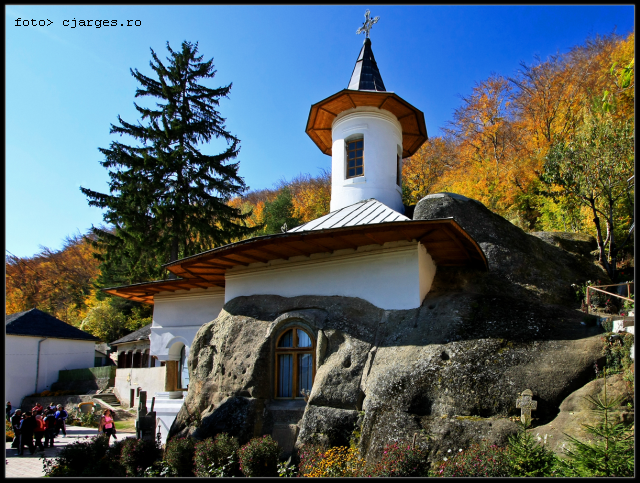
{"x": 368, "y": 23}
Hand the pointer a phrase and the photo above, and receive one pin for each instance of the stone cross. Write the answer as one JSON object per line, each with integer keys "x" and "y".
{"x": 526, "y": 404}
{"x": 368, "y": 23}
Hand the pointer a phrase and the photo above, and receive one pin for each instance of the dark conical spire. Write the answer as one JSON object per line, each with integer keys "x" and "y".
{"x": 366, "y": 76}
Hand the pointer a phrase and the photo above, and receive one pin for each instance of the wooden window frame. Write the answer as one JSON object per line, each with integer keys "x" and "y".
{"x": 295, "y": 351}
{"x": 346, "y": 162}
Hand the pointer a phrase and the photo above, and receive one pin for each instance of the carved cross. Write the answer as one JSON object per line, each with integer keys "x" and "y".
{"x": 368, "y": 23}
{"x": 526, "y": 404}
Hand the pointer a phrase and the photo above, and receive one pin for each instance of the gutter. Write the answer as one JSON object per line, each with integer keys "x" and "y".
{"x": 38, "y": 364}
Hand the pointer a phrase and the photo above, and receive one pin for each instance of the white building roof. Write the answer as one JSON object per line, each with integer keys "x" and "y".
{"x": 364, "y": 212}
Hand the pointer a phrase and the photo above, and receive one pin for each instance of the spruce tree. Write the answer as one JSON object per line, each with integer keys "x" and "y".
{"x": 167, "y": 199}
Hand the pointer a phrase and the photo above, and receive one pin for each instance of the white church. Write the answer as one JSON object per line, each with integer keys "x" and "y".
{"x": 365, "y": 247}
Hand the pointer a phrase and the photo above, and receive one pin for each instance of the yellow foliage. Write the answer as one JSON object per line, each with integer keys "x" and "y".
{"x": 337, "y": 462}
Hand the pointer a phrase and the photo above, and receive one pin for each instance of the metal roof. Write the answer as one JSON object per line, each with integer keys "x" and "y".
{"x": 366, "y": 76}
{"x": 140, "y": 334}
{"x": 364, "y": 212}
{"x": 37, "y": 323}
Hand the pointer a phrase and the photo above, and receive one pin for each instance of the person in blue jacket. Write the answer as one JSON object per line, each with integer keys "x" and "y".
{"x": 61, "y": 420}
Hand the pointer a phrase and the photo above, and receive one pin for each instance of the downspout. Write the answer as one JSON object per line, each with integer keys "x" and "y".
{"x": 38, "y": 364}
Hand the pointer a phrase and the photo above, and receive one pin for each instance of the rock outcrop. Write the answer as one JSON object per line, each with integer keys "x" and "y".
{"x": 447, "y": 373}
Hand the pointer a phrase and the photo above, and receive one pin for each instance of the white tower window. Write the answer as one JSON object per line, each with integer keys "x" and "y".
{"x": 355, "y": 157}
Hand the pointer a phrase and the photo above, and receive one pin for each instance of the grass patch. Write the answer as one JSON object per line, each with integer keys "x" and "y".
{"x": 127, "y": 425}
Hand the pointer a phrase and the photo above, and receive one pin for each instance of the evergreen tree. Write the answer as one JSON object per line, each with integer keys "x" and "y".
{"x": 167, "y": 199}
{"x": 610, "y": 453}
{"x": 527, "y": 457}
{"x": 279, "y": 212}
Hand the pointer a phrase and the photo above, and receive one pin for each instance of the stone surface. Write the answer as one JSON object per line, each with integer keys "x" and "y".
{"x": 447, "y": 373}
{"x": 537, "y": 267}
{"x": 576, "y": 411}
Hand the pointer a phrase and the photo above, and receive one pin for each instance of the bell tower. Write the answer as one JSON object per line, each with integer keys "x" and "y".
{"x": 367, "y": 131}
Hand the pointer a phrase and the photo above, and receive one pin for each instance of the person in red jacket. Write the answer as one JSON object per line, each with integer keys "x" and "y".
{"x": 37, "y": 409}
{"x": 38, "y": 432}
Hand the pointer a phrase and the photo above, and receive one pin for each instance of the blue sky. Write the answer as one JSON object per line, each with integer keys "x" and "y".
{"x": 65, "y": 86}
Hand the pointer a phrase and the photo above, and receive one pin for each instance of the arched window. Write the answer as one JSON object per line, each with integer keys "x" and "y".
{"x": 295, "y": 364}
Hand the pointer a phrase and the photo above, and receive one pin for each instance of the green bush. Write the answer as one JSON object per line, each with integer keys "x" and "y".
{"x": 529, "y": 458}
{"x": 611, "y": 451}
{"x": 400, "y": 459}
{"x": 179, "y": 455}
{"x": 259, "y": 457}
{"x": 220, "y": 452}
{"x": 136, "y": 455}
{"x": 89, "y": 457}
{"x": 309, "y": 456}
{"x": 479, "y": 460}
{"x": 617, "y": 350}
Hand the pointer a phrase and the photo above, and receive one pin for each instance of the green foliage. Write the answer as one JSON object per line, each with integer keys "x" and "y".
{"x": 400, "y": 459}
{"x": 286, "y": 469}
{"x": 617, "y": 350}
{"x": 259, "y": 457}
{"x": 136, "y": 455}
{"x": 309, "y": 456}
{"x": 592, "y": 169}
{"x": 179, "y": 454}
{"x": 218, "y": 455}
{"x": 480, "y": 460}
{"x": 166, "y": 199}
{"x": 159, "y": 469}
{"x": 279, "y": 212}
{"x": 610, "y": 453}
{"x": 85, "y": 458}
{"x": 527, "y": 457}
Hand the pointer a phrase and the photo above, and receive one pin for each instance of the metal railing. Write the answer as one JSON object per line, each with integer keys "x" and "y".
{"x": 598, "y": 288}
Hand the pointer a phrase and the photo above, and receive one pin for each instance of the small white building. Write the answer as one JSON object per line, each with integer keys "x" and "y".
{"x": 37, "y": 346}
{"x": 365, "y": 247}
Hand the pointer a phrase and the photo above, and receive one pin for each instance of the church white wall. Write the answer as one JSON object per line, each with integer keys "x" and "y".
{"x": 427, "y": 272}
{"x": 21, "y": 354}
{"x": 382, "y": 136}
{"x": 177, "y": 317}
{"x": 389, "y": 278}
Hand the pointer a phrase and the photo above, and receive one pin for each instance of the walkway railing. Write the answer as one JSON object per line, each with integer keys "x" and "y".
{"x": 598, "y": 288}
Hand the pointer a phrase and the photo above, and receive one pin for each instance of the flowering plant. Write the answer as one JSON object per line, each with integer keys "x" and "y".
{"x": 259, "y": 457}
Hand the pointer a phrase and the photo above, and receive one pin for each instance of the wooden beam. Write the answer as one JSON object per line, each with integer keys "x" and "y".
{"x": 296, "y": 250}
{"x": 371, "y": 237}
{"x": 206, "y": 263}
{"x": 232, "y": 260}
{"x": 271, "y": 252}
{"x": 327, "y": 111}
{"x": 456, "y": 241}
{"x": 353, "y": 104}
{"x": 318, "y": 245}
{"x": 252, "y": 257}
{"x": 429, "y": 232}
{"x": 345, "y": 241}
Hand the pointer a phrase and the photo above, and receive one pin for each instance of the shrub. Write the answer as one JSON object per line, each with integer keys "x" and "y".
{"x": 479, "y": 460}
{"x": 85, "y": 458}
{"x": 179, "y": 455}
{"x": 338, "y": 461}
{"x": 259, "y": 457}
{"x": 136, "y": 455}
{"x": 617, "y": 350}
{"x": 400, "y": 459}
{"x": 309, "y": 456}
{"x": 529, "y": 458}
{"x": 611, "y": 453}
{"x": 9, "y": 431}
{"x": 220, "y": 452}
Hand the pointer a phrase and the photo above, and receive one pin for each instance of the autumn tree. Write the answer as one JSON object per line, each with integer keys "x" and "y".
{"x": 54, "y": 281}
{"x": 594, "y": 168}
{"x": 422, "y": 173}
{"x": 167, "y": 199}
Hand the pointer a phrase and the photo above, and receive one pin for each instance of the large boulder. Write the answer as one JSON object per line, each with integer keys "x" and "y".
{"x": 539, "y": 266}
{"x": 447, "y": 373}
